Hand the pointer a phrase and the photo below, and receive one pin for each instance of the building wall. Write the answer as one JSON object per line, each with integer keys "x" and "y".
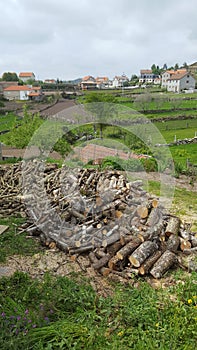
{"x": 164, "y": 79}
{"x": 24, "y": 95}
{"x": 187, "y": 82}
{"x": 12, "y": 95}
{"x": 173, "y": 85}
{"x": 25, "y": 79}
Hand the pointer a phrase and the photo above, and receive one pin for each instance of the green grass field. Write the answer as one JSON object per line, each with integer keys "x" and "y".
{"x": 7, "y": 122}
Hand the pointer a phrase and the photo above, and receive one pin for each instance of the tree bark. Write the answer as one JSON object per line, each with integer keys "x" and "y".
{"x": 167, "y": 259}
{"x": 101, "y": 262}
{"x": 128, "y": 248}
{"x": 185, "y": 244}
{"x": 146, "y": 266}
{"x": 142, "y": 211}
{"x": 146, "y": 249}
{"x": 173, "y": 243}
{"x": 153, "y": 217}
{"x": 173, "y": 226}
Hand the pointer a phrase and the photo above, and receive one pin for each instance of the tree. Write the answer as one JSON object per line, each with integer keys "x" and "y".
{"x": 142, "y": 102}
{"x": 155, "y": 69}
{"x": 101, "y": 110}
{"x": 8, "y": 76}
{"x": 185, "y": 65}
{"x": 176, "y": 66}
{"x": 165, "y": 66}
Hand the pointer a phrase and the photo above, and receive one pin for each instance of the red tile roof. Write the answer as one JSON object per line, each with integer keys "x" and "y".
{"x": 88, "y": 77}
{"x": 34, "y": 94}
{"x": 146, "y": 71}
{"x": 26, "y": 74}
{"x": 177, "y": 76}
{"x": 18, "y": 88}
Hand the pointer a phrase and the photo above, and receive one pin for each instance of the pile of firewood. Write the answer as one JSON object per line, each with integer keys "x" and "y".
{"x": 123, "y": 229}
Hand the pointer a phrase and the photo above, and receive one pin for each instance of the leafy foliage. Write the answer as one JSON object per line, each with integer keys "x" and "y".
{"x": 8, "y": 76}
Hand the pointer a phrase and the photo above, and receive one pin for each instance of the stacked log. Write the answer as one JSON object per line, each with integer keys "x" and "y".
{"x": 124, "y": 229}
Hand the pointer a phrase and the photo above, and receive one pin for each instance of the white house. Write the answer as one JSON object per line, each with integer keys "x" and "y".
{"x": 178, "y": 80}
{"x": 168, "y": 74}
{"x": 22, "y": 92}
{"x": 119, "y": 81}
{"x": 25, "y": 76}
{"x": 17, "y": 92}
{"x": 88, "y": 83}
{"x": 102, "y": 82}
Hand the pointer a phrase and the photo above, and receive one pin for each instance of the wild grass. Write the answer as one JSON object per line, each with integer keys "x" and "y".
{"x": 11, "y": 242}
{"x": 9, "y": 121}
{"x": 62, "y": 314}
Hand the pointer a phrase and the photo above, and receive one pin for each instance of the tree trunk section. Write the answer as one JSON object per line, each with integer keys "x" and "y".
{"x": 128, "y": 248}
{"x": 173, "y": 243}
{"x": 102, "y": 262}
{"x": 173, "y": 226}
{"x": 146, "y": 249}
{"x": 145, "y": 268}
{"x": 167, "y": 259}
{"x": 153, "y": 217}
{"x": 142, "y": 211}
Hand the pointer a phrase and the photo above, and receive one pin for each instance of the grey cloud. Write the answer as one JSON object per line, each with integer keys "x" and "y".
{"x": 96, "y": 37}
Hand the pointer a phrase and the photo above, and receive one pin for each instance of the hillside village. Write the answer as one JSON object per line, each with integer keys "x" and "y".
{"x": 26, "y": 87}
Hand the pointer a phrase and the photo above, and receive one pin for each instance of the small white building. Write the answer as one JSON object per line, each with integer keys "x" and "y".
{"x": 17, "y": 92}
{"x": 168, "y": 74}
{"x": 88, "y": 83}
{"x": 22, "y": 92}
{"x": 180, "y": 81}
{"x": 119, "y": 81}
{"x": 25, "y": 76}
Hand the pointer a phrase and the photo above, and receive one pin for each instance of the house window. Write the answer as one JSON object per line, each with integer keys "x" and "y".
{"x": 187, "y": 81}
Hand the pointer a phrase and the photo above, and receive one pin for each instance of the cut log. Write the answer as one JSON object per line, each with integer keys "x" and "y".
{"x": 126, "y": 239}
{"x": 145, "y": 268}
{"x": 167, "y": 259}
{"x": 142, "y": 211}
{"x": 146, "y": 249}
{"x": 154, "y": 203}
{"x": 185, "y": 244}
{"x": 100, "y": 253}
{"x": 190, "y": 251}
{"x": 111, "y": 239}
{"x": 93, "y": 258}
{"x": 154, "y": 217}
{"x": 102, "y": 262}
{"x": 173, "y": 243}
{"x": 185, "y": 234}
{"x": 194, "y": 241}
{"x": 173, "y": 226}
{"x": 128, "y": 248}
{"x": 112, "y": 264}
{"x": 113, "y": 248}
{"x": 81, "y": 250}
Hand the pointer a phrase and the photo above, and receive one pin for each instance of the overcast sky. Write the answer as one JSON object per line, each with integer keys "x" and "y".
{"x": 67, "y": 39}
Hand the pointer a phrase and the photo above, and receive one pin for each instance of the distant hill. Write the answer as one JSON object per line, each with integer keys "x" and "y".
{"x": 74, "y": 81}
